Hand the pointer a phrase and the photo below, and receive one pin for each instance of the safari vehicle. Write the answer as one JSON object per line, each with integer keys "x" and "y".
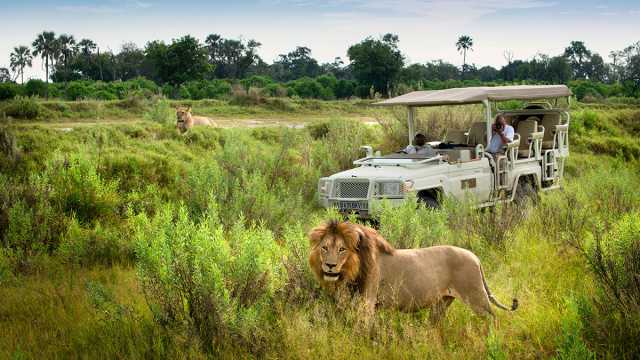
{"x": 459, "y": 166}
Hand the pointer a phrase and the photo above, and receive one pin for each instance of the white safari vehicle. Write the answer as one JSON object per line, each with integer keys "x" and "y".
{"x": 459, "y": 166}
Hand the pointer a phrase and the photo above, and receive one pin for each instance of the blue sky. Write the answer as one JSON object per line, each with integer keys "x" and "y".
{"x": 427, "y": 29}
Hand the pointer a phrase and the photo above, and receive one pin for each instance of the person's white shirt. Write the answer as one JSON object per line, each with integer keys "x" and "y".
{"x": 416, "y": 149}
{"x": 496, "y": 141}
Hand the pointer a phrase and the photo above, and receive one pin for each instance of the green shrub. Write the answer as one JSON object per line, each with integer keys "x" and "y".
{"x": 160, "y": 111}
{"x": 197, "y": 279}
{"x": 275, "y": 90}
{"x": 35, "y": 87}
{"x": 572, "y": 346}
{"x": 23, "y": 108}
{"x": 104, "y": 95}
{"x": 77, "y": 91}
{"x": 9, "y": 90}
{"x": 19, "y": 233}
{"x": 408, "y": 227}
{"x": 256, "y": 81}
{"x": 96, "y": 245}
{"x": 80, "y": 190}
{"x": 615, "y": 260}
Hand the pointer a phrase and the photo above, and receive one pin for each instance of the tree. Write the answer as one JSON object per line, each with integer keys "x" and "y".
{"x": 295, "y": 65}
{"x": 632, "y": 75}
{"x": 231, "y": 58}
{"x": 87, "y": 46}
{"x": 465, "y": 42}
{"x": 44, "y": 46}
{"x": 66, "y": 49}
{"x": 19, "y": 59}
{"x": 129, "y": 61}
{"x": 488, "y": 73}
{"x": 441, "y": 70}
{"x": 376, "y": 62}
{"x": 558, "y": 70}
{"x": 184, "y": 60}
{"x": 596, "y": 69}
{"x": 5, "y": 75}
{"x": 578, "y": 56}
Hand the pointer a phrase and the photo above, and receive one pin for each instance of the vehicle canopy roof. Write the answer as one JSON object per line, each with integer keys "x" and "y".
{"x": 472, "y": 95}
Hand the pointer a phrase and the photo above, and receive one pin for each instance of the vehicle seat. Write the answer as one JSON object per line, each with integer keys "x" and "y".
{"x": 477, "y": 134}
{"x": 525, "y": 129}
{"x": 549, "y": 121}
{"x": 455, "y": 137}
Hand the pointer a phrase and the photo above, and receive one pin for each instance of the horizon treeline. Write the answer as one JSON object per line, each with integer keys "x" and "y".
{"x": 375, "y": 67}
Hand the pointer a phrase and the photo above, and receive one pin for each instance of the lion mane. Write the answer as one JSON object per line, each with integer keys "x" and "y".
{"x": 364, "y": 245}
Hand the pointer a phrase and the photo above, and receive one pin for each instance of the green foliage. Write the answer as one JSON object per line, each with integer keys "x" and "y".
{"x": 217, "y": 220}
{"x": 494, "y": 347}
{"x": 23, "y": 108}
{"x": 161, "y": 112}
{"x": 377, "y": 63}
{"x": 205, "y": 89}
{"x": 9, "y": 90}
{"x": 81, "y": 190}
{"x": 410, "y": 226}
{"x": 94, "y": 245}
{"x": 35, "y": 87}
{"x": 572, "y": 346}
{"x": 197, "y": 278}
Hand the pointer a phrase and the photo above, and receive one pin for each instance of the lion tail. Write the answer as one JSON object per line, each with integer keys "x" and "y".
{"x": 514, "y": 304}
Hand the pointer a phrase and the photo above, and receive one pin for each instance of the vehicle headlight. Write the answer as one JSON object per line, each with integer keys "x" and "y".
{"x": 324, "y": 186}
{"x": 390, "y": 188}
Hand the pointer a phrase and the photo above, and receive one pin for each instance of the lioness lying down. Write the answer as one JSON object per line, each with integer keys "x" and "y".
{"x": 343, "y": 253}
{"x": 185, "y": 120}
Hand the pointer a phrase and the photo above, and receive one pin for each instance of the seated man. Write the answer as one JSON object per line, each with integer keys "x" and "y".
{"x": 419, "y": 147}
{"x": 502, "y": 134}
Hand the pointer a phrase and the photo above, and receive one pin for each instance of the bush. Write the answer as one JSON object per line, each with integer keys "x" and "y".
{"x": 615, "y": 260}
{"x": 94, "y": 245}
{"x": 215, "y": 287}
{"x": 35, "y": 87}
{"x": 23, "y": 108}
{"x": 9, "y": 90}
{"x": 104, "y": 95}
{"x": 345, "y": 89}
{"x": 161, "y": 112}
{"x": 204, "y": 89}
{"x": 80, "y": 190}
{"x": 77, "y": 91}
{"x": 256, "y": 81}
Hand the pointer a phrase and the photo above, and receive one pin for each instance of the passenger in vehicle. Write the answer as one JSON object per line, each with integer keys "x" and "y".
{"x": 419, "y": 147}
{"x": 502, "y": 134}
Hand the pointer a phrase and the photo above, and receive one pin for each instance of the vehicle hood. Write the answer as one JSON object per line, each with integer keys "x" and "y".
{"x": 386, "y": 172}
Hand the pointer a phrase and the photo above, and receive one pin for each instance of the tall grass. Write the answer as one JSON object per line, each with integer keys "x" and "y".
{"x": 132, "y": 241}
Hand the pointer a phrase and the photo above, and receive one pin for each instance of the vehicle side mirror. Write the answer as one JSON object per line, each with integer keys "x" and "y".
{"x": 368, "y": 149}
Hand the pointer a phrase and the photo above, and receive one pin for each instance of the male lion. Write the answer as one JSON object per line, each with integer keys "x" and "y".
{"x": 349, "y": 254}
{"x": 186, "y": 121}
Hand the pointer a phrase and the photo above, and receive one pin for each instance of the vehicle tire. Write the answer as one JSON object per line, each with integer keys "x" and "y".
{"x": 525, "y": 192}
{"x": 429, "y": 201}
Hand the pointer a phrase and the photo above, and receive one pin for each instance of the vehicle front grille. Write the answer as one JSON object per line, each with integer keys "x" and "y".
{"x": 352, "y": 189}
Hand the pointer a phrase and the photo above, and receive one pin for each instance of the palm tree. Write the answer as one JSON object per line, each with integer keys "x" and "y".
{"x": 68, "y": 48}
{"x": 465, "y": 42}
{"x": 20, "y": 57}
{"x": 44, "y": 45}
{"x": 86, "y": 46}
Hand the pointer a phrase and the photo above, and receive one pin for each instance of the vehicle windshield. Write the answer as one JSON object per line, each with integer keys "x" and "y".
{"x": 397, "y": 158}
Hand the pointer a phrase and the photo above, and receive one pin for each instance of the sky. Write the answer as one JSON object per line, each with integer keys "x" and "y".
{"x": 428, "y": 29}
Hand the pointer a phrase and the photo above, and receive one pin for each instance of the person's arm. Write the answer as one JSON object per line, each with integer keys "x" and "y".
{"x": 506, "y": 135}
